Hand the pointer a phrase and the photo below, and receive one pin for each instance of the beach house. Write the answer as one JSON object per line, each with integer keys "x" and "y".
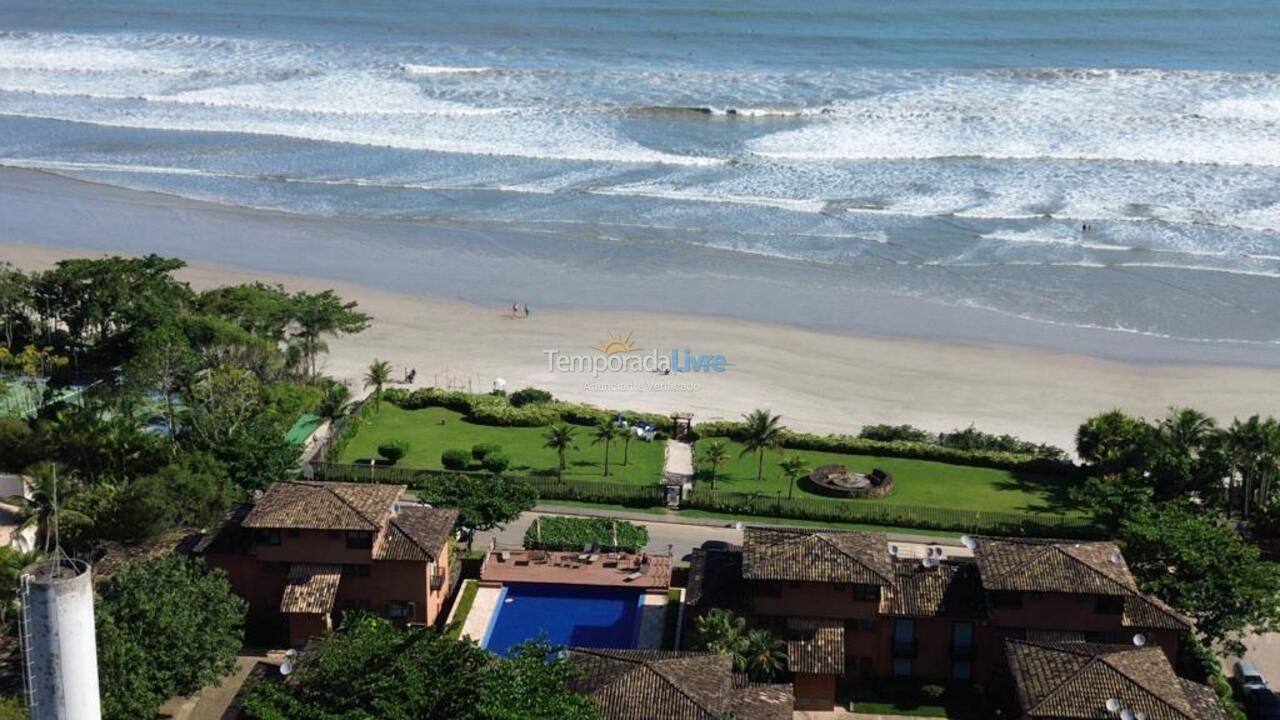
{"x": 305, "y": 551}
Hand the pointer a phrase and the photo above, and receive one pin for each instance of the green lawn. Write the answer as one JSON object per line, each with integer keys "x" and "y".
{"x": 431, "y": 431}
{"x": 466, "y": 598}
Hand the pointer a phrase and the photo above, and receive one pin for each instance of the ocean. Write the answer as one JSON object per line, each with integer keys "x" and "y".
{"x": 1082, "y": 164}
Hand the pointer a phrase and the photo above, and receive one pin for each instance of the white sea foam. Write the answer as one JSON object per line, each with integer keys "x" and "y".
{"x": 414, "y": 69}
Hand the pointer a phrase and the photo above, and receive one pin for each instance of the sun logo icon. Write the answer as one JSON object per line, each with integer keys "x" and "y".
{"x": 614, "y": 344}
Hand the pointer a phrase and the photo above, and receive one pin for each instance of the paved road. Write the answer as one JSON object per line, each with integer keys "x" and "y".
{"x": 681, "y": 535}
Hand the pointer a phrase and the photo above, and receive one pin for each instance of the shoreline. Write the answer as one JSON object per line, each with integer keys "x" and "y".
{"x": 819, "y": 382}
{"x": 495, "y": 263}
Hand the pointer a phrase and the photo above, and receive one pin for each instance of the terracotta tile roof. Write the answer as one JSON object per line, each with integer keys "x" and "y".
{"x": 1203, "y": 700}
{"x": 761, "y": 701}
{"x": 324, "y": 506}
{"x": 416, "y": 533}
{"x": 311, "y": 588}
{"x": 815, "y": 645}
{"x": 952, "y": 589}
{"x": 228, "y": 536}
{"x": 715, "y": 579}
{"x": 1066, "y": 681}
{"x": 654, "y": 684}
{"x": 1067, "y": 566}
{"x": 771, "y": 553}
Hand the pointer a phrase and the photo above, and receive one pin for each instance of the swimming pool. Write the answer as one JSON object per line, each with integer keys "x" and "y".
{"x": 578, "y": 615}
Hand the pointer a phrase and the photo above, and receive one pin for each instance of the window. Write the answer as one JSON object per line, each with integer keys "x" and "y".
{"x": 1110, "y": 604}
{"x": 359, "y": 539}
{"x": 904, "y": 630}
{"x": 866, "y": 593}
{"x": 962, "y": 634}
{"x": 961, "y": 670}
{"x": 399, "y": 610}
{"x": 269, "y": 537}
{"x": 902, "y": 667}
{"x": 1006, "y": 599}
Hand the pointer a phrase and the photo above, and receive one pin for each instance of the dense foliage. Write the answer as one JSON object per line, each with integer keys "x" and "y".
{"x": 484, "y": 502}
{"x": 555, "y": 532}
{"x": 166, "y": 627}
{"x": 493, "y": 409}
{"x": 419, "y": 674}
{"x": 755, "y": 652}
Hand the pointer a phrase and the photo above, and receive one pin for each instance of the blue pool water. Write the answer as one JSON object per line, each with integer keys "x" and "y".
{"x": 567, "y": 615}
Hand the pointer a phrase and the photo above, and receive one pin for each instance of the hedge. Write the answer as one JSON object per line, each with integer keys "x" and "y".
{"x": 850, "y": 445}
{"x": 497, "y": 409}
{"x": 877, "y": 513}
{"x": 556, "y": 532}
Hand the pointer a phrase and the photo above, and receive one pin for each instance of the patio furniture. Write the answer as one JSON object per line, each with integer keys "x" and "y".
{"x": 633, "y": 576}
{"x": 504, "y": 556}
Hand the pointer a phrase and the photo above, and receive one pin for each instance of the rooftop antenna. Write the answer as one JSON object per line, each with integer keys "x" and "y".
{"x": 968, "y": 542}
{"x": 1139, "y": 639}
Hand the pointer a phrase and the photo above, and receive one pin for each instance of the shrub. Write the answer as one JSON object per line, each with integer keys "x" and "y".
{"x": 932, "y": 692}
{"x": 530, "y": 396}
{"x": 889, "y": 433}
{"x": 17, "y": 444}
{"x": 482, "y": 450}
{"x": 574, "y": 533}
{"x": 495, "y": 462}
{"x": 490, "y": 409}
{"x": 455, "y": 459}
{"x": 394, "y": 451}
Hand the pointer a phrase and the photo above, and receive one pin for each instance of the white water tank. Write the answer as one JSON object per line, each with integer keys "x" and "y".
{"x": 59, "y": 645}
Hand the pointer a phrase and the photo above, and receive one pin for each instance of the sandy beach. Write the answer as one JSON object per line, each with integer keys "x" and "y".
{"x": 822, "y": 382}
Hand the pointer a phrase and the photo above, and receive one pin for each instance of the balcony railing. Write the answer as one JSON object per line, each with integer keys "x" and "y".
{"x": 905, "y": 648}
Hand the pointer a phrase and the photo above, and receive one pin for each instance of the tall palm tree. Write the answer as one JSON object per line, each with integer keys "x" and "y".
{"x": 378, "y": 375}
{"x": 560, "y": 437}
{"x": 763, "y": 431}
{"x": 715, "y": 454}
{"x": 1189, "y": 453}
{"x": 334, "y": 402}
{"x": 605, "y": 433}
{"x": 39, "y": 505}
{"x": 793, "y": 466}
{"x": 765, "y": 656}
{"x": 1254, "y": 449}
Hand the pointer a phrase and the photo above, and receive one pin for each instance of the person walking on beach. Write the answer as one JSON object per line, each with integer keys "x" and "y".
{"x": 526, "y": 310}
{"x": 515, "y": 309}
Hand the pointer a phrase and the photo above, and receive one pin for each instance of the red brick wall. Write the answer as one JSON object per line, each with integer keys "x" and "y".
{"x": 808, "y": 599}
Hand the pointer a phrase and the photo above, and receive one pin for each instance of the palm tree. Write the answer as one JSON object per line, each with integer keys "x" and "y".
{"x": 763, "y": 431}
{"x": 626, "y": 442}
{"x": 605, "y": 432}
{"x": 1254, "y": 449}
{"x": 716, "y": 453}
{"x": 793, "y": 466}
{"x": 559, "y": 437}
{"x": 334, "y": 402}
{"x": 378, "y": 375}
{"x": 765, "y": 656}
{"x": 46, "y": 492}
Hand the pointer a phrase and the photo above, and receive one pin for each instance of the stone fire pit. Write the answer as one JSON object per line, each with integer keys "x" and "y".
{"x": 837, "y": 481}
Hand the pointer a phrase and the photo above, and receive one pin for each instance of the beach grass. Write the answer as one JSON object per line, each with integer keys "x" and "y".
{"x": 922, "y": 483}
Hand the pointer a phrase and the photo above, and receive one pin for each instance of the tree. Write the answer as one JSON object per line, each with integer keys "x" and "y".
{"x": 419, "y": 674}
{"x": 1187, "y": 557}
{"x": 12, "y": 563}
{"x": 49, "y": 489}
{"x": 765, "y": 656}
{"x": 1113, "y": 442}
{"x": 604, "y": 434}
{"x": 1253, "y": 447}
{"x": 722, "y": 631}
{"x": 17, "y": 443}
{"x": 1190, "y": 456}
{"x": 793, "y": 466}
{"x": 484, "y": 503}
{"x": 763, "y": 431}
{"x": 715, "y": 454}
{"x": 15, "y": 296}
{"x": 334, "y": 403}
{"x": 318, "y": 314}
{"x": 263, "y": 310}
{"x": 162, "y": 361}
{"x": 560, "y": 437}
{"x": 166, "y": 627}
{"x": 378, "y": 375}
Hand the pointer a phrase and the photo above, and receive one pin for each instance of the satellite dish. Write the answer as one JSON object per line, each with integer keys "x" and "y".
{"x": 1113, "y": 705}
{"x": 924, "y": 562}
{"x": 1126, "y": 714}
{"x": 1139, "y": 639}
{"x": 968, "y": 542}
{"x": 286, "y": 667}
{"x": 290, "y": 653}
{"x": 1116, "y": 558}
{"x": 893, "y": 550}
{"x": 929, "y": 562}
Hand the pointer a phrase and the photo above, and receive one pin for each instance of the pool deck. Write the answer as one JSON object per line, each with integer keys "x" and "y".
{"x": 569, "y": 568}
{"x": 483, "y": 609}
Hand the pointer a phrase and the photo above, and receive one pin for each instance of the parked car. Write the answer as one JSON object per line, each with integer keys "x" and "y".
{"x": 1246, "y": 677}
{"x": 1262, "y": 704}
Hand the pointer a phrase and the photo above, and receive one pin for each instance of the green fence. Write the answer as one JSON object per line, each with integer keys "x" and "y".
{"x": 871, "y": 512}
